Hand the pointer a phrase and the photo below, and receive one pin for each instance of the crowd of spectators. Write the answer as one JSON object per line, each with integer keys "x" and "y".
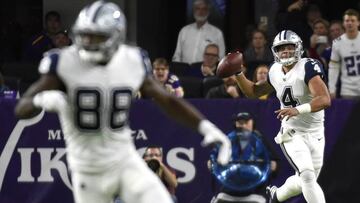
{"x": 201, "y": 45}
{"x": 191, "y": 72}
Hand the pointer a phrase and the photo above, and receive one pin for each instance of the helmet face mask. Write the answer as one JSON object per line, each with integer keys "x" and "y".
{"x": 98, "y": 31}
{"x": 281, "y": 44}
{"x": 91, "y": 42}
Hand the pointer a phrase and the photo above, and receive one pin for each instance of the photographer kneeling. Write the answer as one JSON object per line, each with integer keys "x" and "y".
{"x": 154, "y": 159}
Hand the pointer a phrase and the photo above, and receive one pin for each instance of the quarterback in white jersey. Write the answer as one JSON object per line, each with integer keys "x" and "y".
{"x": 345, "y": 58}
{"x": 91, "y": 85}
{"x": 303, "y": 96}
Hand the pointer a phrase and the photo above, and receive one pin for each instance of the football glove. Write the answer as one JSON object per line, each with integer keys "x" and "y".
{"x": 50, "y": 100}
{"x": 213, "y": 135}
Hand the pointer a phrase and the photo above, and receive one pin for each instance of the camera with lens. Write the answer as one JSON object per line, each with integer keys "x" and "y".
{"x": 154, "y": 165}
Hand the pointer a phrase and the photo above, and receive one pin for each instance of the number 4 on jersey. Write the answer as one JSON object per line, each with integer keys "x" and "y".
{"x": 288, "y": 99}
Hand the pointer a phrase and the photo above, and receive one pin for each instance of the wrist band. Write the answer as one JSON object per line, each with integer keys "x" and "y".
{"x": 304, "y": 108}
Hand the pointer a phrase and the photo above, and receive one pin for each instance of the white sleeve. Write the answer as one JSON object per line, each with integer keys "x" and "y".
{"x": 177, "y": 55}
{"x": 49, "y": 63}
{"x": 334, "y": 69}
{"x": 335, "y": 56}
{"x": 221, "y": 45}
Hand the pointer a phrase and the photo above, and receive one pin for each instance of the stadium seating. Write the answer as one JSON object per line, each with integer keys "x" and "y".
{"x": 24, "y": 71}
{"x": 192, "y": 86}
{"x": 19, "y": 75}
{"x": 179, "y": 68}
{"x": 210, "y": 82}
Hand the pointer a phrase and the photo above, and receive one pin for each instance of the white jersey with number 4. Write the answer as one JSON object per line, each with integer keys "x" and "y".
{"x": 95, "y": 126}
{"x": 292, "y": 90}
{"x": 347, "y": 52}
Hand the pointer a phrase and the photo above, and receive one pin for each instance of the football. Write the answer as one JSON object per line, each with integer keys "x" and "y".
{"x": 230, "y": 64}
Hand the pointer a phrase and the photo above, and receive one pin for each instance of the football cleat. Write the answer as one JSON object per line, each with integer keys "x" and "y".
{"x": 271, "y": 194}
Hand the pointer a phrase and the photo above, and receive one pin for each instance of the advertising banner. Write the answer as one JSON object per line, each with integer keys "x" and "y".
{"x": 33, "y": 165}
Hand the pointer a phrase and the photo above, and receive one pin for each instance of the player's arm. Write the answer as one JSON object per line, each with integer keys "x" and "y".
{"x": 25, "y": 108}
{"x": 251, "y": 89}
{"x": 188, "y": 115}
{"x": 319, "y": 91}
{"x": 179, "y": 109}
{"x": 334, "y": 68}
{"x": 334, "y": 71}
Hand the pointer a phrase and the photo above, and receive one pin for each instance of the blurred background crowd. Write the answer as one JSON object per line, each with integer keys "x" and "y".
{"x": 185, "y": 38}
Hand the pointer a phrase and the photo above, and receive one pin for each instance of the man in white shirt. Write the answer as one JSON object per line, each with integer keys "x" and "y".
{"x": 345, "y": 58}
{"x": 194, "y": 37}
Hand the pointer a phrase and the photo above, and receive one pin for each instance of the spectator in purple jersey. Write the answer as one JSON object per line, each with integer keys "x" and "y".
{"x": 170, "y": 81}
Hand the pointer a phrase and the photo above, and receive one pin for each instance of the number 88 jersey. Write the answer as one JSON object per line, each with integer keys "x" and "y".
{"x": 292, "y": 90}
{"x": 96, "y": 125}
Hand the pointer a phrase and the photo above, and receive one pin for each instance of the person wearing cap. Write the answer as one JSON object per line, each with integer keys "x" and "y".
{"x": 244, "y": 120}
{"x": 244, "y": 129}
{"x": 62, "y": 39}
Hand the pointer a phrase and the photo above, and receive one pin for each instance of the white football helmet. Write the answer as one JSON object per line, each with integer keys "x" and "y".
{"x": 98, "y": 31}
{"x": 287, "y": 37}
